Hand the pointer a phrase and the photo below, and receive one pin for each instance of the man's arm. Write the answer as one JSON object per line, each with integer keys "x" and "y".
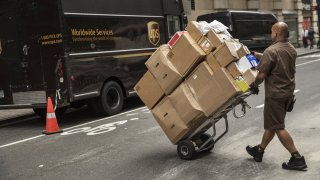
{"x": 259, "y": 79}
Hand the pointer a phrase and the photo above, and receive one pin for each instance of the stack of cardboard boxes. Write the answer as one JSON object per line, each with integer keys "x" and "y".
{"x": 192, "y": 77}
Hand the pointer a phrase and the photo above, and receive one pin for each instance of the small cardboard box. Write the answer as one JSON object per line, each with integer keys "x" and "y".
{"x": 194, "y": 31}
{"x": 186, "y": 54}
{"x": 170, "y": 121}
{"x": 206, "y": 45}
{"x": 175, "y": 38}
{"x": 149, "y": 90}
{"x": 233, "y": 69}
{"x": 243, "y": 51}
{"x": 213, "y": 62}
{"x": 162, "y": 69}
{"x": 250, "y": 76}
{"x": 186, "y": 105}
{"x": 227, "y": 53}
{"x": 217, "y": 39}
{"x": 211, "y": 90}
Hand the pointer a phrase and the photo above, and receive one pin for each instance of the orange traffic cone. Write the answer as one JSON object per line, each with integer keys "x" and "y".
{"x": 52, "y": 126}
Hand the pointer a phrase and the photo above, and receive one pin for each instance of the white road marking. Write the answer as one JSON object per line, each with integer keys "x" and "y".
{"x": 132, "y": 114}
{"x": 262, "y": 105}
{"x": 40, "y": 166}
{"x": 133, "y": 119}
{"x": 145, "y": 110}
{"x": 103, "y": 119}
{"x": 17, "y": 142}
{"x": 307, "y": 62}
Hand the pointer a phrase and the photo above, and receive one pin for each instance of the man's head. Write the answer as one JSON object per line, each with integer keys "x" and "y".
{"x": 279, "y": 32}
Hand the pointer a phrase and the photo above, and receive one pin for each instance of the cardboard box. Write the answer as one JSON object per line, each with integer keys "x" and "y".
{"x": 194, "y": 31}
{"x": 243, "y": 51}
{"x": 170, "y": 121}
{"x": 211, "y": 90}
{"x": 175, "y": 38}
{"x": 186, "y": 54}
{"x": 206, "y": 45}
{"x": 162, "y": 69}
{"x": 227, "y": 53}
{"x": 149, "y": 90}
{"x": 233, "y": 69}
{"x": 186, "y": 105}
{"x": 217, "y": 39}
{"x": 250, "y": 76}
{"x": 213, "y": 62}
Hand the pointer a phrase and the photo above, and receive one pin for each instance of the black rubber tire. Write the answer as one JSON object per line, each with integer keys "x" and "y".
{"x": 42, "y": 112}
{"x": 186, "y": 150}
{"x": 110, "y": 102}
{"x": 204, "y": 137}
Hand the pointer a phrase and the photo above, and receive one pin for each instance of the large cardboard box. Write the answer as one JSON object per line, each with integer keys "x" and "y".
{"x": 250, "y": 76}
{"x": 149, "y": 90}
{"x": 194, "y": 31}
{"x": 213, "y": 62}
{"x": 211, "y": 90}
{"x": 186, "y": 105}
{"x": 162, "y": 69}
{"x": 233, "y": 69}
{"x": 217, "y": 39}
{"x": 186, "y": 54}
{"x": 227, "y": 53}
{"x": 170, "y": 121}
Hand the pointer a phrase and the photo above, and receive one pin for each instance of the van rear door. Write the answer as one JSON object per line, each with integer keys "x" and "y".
{"x": 22, "y": 71}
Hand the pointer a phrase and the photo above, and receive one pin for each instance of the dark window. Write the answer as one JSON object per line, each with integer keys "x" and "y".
{"x": 253, "y": 29}
{"x": 193, "y": 5}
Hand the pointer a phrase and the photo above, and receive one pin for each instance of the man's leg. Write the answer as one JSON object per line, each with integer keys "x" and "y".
{"x": 267, "y": 137}
{"x": 297, "y": 161}
{"x": 286, "y": 140}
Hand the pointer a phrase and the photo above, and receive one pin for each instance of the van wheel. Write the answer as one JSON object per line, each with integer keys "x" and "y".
{"x": 111, "y": 99}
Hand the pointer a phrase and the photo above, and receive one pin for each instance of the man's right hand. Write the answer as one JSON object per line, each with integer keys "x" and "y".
{"x": 254, "y": 89}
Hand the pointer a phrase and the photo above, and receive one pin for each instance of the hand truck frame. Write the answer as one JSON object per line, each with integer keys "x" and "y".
{"x": 199, "y": 140}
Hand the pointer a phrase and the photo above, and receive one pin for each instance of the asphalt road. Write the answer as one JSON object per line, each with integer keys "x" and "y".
{"x": 131, "y": 145}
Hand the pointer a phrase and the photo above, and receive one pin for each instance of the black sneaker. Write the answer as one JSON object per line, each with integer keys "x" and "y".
{"x": 255, "y": 153}
{"x": 298, "y": 164}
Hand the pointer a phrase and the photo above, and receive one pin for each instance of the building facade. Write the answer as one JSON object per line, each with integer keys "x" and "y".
{"x": 298, "y": 14}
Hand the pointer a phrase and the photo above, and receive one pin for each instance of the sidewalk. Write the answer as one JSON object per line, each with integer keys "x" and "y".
{"x": 306, "y": 51}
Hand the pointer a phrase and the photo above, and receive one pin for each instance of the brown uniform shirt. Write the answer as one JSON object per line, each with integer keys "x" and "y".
{"x": 278, "y": 62}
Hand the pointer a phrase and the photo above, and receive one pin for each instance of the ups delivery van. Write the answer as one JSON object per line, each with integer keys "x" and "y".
{"x": 78, "y": 51}
{"x": 252, "y": 28}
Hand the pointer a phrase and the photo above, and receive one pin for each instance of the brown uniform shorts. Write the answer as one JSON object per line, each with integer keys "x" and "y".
{"x": 275, "y": 110}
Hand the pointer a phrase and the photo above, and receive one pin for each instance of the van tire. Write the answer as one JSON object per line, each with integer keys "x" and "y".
{"x": 111, "y": 99}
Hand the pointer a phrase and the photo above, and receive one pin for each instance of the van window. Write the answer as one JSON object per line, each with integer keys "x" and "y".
{"x": 248, "y": 29}
{"x": 173, "y": 24}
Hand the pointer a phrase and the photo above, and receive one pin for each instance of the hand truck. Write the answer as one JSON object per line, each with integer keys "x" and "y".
{"x": 199, "y": 140}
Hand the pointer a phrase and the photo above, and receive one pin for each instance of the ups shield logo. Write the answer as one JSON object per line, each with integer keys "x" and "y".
{"x": 154, "y": 33}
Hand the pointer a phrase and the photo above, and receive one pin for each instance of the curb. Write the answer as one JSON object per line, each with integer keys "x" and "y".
{"x": 304, "y": 54}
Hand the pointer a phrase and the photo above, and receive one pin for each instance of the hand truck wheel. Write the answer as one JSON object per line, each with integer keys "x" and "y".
{"x": 204, "y": 137}
{"x": 186, "y": 149}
